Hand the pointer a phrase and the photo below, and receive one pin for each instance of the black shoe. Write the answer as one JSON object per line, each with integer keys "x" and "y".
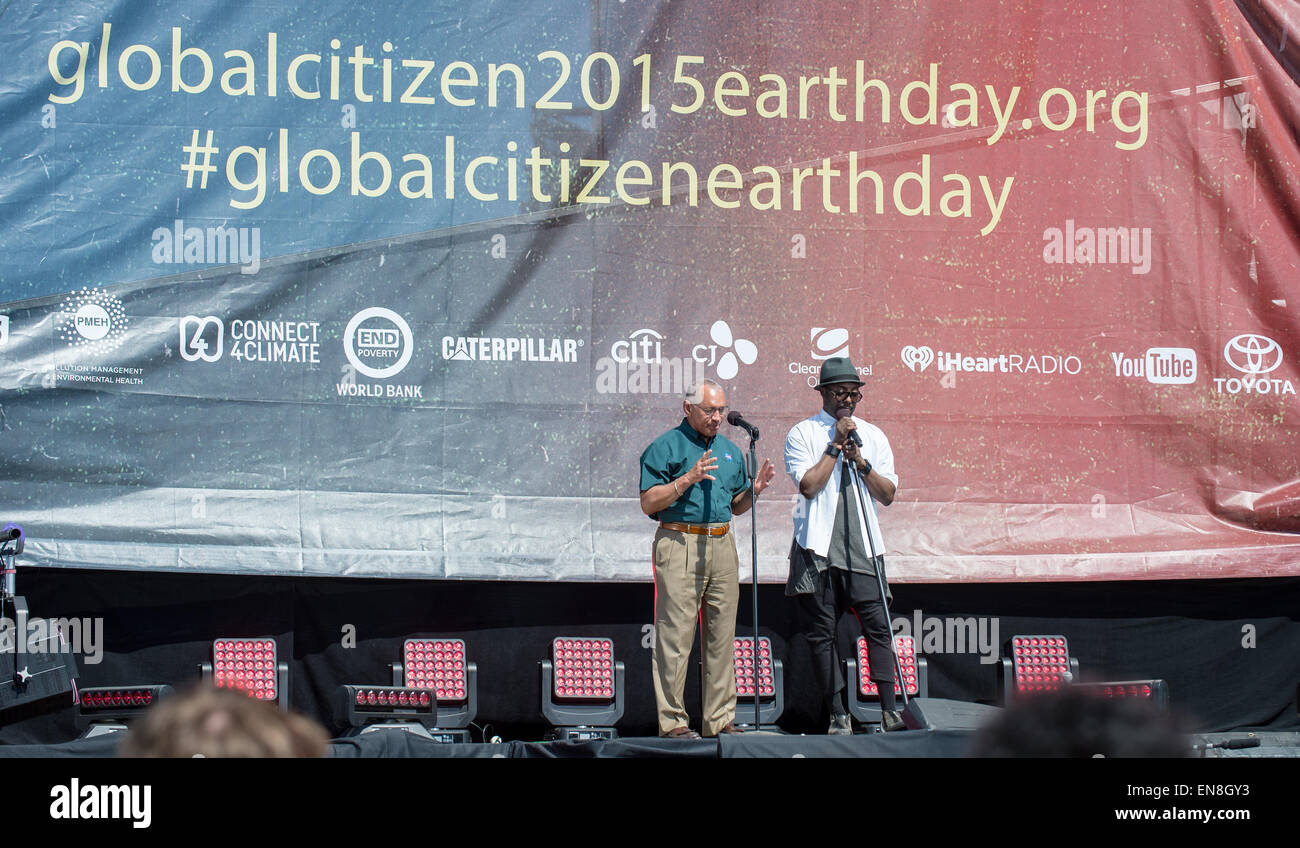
{"x": 841, "y": 725}
{"x": 681, "y": 732}
{"x": 890, "y": 720}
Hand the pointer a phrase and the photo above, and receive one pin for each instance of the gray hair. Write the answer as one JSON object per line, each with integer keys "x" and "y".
{"x": 695, "y": 391}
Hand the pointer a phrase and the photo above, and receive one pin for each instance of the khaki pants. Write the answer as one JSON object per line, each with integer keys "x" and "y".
{"x": 694, "y": 572}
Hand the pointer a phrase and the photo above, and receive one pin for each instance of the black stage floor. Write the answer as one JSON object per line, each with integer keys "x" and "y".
{"x": 906, "y": 745}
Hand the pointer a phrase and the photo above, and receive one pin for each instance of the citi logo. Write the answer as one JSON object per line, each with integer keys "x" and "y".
{"x": 92, "y": 801}
{"x": 1164, "y": 366}
{"x": 644, "y": 345}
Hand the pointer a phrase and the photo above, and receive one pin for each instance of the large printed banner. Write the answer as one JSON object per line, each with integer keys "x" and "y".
{"x": 405, "y": 288}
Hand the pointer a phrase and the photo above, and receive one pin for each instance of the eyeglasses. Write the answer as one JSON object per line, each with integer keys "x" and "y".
{"x": 845, "y": 394}
{"x": 710, "y": 411}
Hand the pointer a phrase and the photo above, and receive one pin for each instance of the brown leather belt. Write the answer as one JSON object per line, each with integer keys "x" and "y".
{"x": 697, "y": 529}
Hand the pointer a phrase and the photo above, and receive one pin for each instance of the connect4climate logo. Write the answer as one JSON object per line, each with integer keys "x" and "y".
{"x": 202, "y": 338}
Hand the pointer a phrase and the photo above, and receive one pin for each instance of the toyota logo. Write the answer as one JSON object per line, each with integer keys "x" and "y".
{"x": 1253, "y": 354}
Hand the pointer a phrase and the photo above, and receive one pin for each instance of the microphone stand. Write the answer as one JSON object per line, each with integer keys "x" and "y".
{"x": 752, "y": 462}
{"x": 852, "y": 470}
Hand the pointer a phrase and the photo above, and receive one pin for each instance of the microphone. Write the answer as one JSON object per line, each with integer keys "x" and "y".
{"x": 13, "y": 533}
{"x": 846, "y": 413}
{"x": 735, "y": 420}
{"x": 10, "y": 533}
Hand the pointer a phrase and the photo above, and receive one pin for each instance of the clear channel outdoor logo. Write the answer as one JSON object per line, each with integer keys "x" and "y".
{"x": 828, "y": 342}
{"x": 825, "y": 343}
{"x": 378, "y": 343}
{"x": 92, "y": 320}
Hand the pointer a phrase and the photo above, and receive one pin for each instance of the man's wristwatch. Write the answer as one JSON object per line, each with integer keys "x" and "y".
{"x": 831, "y": 450}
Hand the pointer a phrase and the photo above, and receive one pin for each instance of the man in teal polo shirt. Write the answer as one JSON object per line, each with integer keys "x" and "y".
{"x": 692, "y": 482}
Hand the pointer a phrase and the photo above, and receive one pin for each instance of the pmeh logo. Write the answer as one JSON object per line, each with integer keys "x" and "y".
{"x": 1164, "y": 366}
{"x": 378, "y": 342}
{"x": 829, "y": 341}
{"x": 93, "y": 320}
{"x": 4, "y": 330}
{"x": 644, "y": 345}
{"x": 918, "y": 358}
{"x": 1253, "y": 355}
{"x": 202, "y": 338}
{"x": 728, "y": 364}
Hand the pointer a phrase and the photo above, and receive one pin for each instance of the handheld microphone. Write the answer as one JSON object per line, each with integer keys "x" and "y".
{"x": 845, "y": 413}
{"x": 735, "y": 420}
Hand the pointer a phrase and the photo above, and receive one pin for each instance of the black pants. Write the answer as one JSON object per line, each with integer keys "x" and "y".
{"x": 835, "y": 593}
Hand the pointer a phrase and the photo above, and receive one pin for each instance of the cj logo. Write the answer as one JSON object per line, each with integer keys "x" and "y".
{"x": 193, "y": 343}
{"x": 918, "y": 358}
{"x": 829, "y": 341}
{"x": 729, "y": 362}
{"x": 1253, "y": 354}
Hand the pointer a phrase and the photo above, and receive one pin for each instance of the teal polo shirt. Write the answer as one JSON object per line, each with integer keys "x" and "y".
{"x": 708, "y": 501}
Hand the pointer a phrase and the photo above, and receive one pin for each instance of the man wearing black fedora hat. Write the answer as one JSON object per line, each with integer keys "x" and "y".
{"x": 832, "y": 569}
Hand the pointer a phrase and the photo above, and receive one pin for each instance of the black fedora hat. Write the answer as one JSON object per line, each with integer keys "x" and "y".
{"x": 838, "y": 369}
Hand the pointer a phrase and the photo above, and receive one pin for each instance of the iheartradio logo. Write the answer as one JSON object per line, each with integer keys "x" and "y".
{"x": 918, "y": 358}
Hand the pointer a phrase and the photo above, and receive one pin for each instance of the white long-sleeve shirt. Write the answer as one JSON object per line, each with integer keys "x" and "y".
{"x": 814, "y": 519}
